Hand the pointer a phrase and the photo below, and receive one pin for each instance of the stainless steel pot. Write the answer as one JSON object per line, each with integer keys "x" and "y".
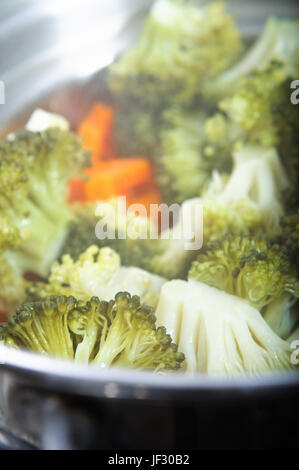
{"x": 52, "y": 53}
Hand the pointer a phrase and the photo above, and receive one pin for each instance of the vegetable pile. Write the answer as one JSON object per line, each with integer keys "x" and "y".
{"x": 198, "y": 118}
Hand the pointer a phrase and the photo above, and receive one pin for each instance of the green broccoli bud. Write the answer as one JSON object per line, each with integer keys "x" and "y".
{"x": 34, "y": 172}
{"x": 250, "y": 267}
{"x": 120, "y": 332}
{"x": 184, "y": 164}
{"x": 42, "y": 327}
{"x": 278, "y": 42}
{"x": 97, "y": 272}
{"x": 181, "y": 44}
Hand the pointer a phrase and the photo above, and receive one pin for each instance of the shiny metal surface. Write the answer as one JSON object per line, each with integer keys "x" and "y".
{"x": 50, "y": 44}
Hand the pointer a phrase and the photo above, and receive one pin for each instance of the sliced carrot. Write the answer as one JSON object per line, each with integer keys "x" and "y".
{"x": 146, "y": 198}
{"x": 95, "y": 131}
{"x": 117, "y": 177}
{"x": 76, "y": 191}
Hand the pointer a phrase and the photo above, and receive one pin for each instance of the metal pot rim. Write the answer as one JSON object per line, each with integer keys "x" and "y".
{"x": 52, "y": 373}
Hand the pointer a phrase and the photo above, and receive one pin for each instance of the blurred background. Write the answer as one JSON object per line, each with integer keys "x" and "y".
{"x": 47, "y": 43}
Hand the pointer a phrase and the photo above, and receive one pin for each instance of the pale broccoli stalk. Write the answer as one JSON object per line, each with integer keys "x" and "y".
{"x": 97, "y": 272}
{"x": 258, "y": 179}
{"x": 294, "y": 336}
{"x": 278, "y": 42}
{"x": 180, "y": 44}
{"x": 121, "y": 332}
{"x": 34, "y": 174}
{"x": 220, "y": 334}
{"x": 281, "y": 315}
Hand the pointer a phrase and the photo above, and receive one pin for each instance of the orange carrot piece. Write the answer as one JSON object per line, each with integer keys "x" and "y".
{"x": 95, "y": 130}
{"x": 146, "y": 198}
{"x": 76, "y": 191}
{"x": 117, "y": 177}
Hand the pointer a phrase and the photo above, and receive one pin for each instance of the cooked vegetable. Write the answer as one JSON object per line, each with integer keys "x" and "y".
{"x": 97, "y": 272}
{"x": 40, "y": 120}
{"x": 116, "y": 177}
{"x": 12, "y": 284}
{"x": 220, "y": 334}
{"x": 167, "y": 254}
{"x": 279, "y": 42}
{"x": 282, "y": 315}
{"x": 290, "y": 237}
{"x": 136, "y": 238}
{"x": 180, "y": 45}
{"x": 184, "y": 163}
{"x": 252, "y": 268}
{"x": 34, "y": 172}
{"x": 255, "y": 269}
{"x": 257, "y": 180}
{"x": 95, "y": 130}
{"x": 121, "y": 332}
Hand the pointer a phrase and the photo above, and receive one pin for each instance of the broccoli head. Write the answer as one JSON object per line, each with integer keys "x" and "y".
{"x": 180, "y": 44}
{"x": 34, "y": 172}
{"x": 136, "y": 238}
{"x": 250, "y": 267}
{"x": 12, "y": 284}
{"x": 185, "y": 164}
{"x": 278, "y": 42}
{"x": 249, "y": 199}
{"x": 219, "y": 333}
{"x": 121, "y": 332}
{"x": 97, "y": 272}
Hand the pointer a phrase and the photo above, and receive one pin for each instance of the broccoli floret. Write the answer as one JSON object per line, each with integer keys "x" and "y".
{"x": 259, "y": 111}
{"x": 136, "y": 130}
{"x": 97, "y": 272}
{"x": 120, "y": 332}
{"x": 139, "y": 114}
{"x": 12, "y": 287}
{"x": 42, "y": 327}
{"x": 249, "y": 197}
{"x": 220, "y": 334}
{"x": 12, "y": 284}
{"x": 81, "y": 230}
{"x": 290, "y": 236}
{"x": 34, "y": 172}
{"x": 166, "y": 254}
{"x": 250, "y": 267}
{"x": 250, "y": 111}
{"x": 185, "y": 164}
{"x": 286, "y": 121}
{"x": 126, "y": 336}
{"x": 180, "y": 44}
{"x": 279, "y": 42}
